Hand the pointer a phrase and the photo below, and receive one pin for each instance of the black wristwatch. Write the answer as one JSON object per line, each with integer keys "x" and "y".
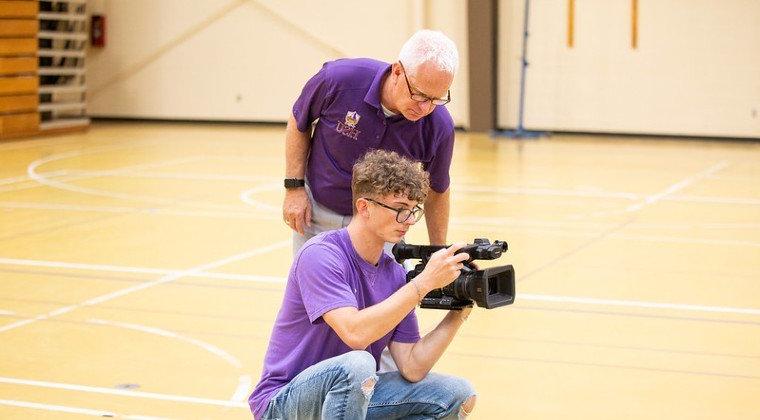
{"x": 294, "y": 183}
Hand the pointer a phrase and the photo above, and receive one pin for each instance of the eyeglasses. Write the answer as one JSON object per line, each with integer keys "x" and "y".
{"x": 402, "y": 214}
{"x": 418, "y": 97}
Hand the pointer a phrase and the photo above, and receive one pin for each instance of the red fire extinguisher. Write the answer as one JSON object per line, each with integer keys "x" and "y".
{"x": 98, "y": 31}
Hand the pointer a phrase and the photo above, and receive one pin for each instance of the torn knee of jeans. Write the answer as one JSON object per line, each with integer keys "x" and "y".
{"x": 368, "y": 386}
{"x": 467, "y": 406}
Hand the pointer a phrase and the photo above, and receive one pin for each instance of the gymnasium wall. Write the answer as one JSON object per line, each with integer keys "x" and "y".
{"x": 695, "y": 71}
{"x": 246, "y": 60}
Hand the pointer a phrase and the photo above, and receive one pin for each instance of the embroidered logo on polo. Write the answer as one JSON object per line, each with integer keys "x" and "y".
{"x": 348, "y": 128}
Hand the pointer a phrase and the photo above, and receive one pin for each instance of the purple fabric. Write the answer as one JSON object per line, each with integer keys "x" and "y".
{"x": 345, "y": 97}
{"x": 326, "y": 274}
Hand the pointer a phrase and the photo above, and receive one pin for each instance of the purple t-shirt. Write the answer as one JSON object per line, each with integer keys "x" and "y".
{"x": 345, "y": 98}
{"x": 326, "y": 274}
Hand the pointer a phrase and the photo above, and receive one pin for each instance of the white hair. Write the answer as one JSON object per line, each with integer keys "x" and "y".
{"x": 426, "y": 45}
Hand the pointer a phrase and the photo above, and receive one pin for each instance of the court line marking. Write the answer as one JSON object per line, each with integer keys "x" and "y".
{"x": 247, "y": 197}
{"x": 31, "y": 170}
{"x": 243, "y": 389}
{"x": 606, "y": 365}
{"x": 6, "y": 313}
{"x": 232, "y": 360}
{"x": 545, "y": 192}
{"x": 231, "y": 214}
{"x": 282, "y": 280}
{"x": 684, "y": 183}
{"x": 58, "y": 408}
{"x": 637, "y": 304}
{"x": 140, "y": 270}
{"x": 168, "y": 278}
{"x": 643, "y": 238}
{"x": 659, "y": 196}
{"x": 174, "y": 175}
{"x": 41, "y": 179}
{"x": 460, "y": 221}
{"x": 25, "y": 178}
{"x": 605, "y": 346}
{"x": 124, "y": 392}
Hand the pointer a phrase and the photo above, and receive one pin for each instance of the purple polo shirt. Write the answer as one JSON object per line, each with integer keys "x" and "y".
{"x": 327, "y": 273}
{"x": 345, "y": 98}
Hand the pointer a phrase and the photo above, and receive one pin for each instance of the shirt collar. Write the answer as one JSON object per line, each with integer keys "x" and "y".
{"x": 373, "y": 94}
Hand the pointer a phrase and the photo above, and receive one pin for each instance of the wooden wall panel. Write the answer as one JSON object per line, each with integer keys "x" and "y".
{"x": 18, "y": 8}
{"x": 15, "y": 65}
{"x": 17, "y": 124}
{"x": 19, "y": 27}
{"x": 19, "y": 103}
{"x": 11, "y": 85}
{"x": 18, "y": 46}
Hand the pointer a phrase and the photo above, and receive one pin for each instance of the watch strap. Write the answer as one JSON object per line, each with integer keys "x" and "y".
{"x": 294, "y": 183}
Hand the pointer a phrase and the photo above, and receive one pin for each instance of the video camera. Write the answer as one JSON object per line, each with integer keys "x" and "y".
{"x": 489, "y": 288}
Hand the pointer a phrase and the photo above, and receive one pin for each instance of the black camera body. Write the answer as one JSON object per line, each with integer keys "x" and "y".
{"x": 489, "y": 288}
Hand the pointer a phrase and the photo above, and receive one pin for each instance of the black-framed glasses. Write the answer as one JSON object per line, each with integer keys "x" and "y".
{"x": 402, "y": 214}
{"x": 418, "y": 97}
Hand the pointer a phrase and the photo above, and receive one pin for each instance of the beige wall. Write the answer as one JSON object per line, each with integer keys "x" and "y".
{"x": 247, "y": 60}
{"x": 696, "y": 70}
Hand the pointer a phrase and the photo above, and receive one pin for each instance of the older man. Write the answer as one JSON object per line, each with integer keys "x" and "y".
{"x": 354, "y": 105}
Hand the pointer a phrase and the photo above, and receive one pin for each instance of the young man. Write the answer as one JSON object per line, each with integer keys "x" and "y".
{"x": 346, "y": 300}
{"x": 355, "y": 105}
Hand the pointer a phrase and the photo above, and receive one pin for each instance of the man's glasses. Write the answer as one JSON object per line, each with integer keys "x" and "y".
{"x": 402, "y": 214}
{"x": 418, "y": 97}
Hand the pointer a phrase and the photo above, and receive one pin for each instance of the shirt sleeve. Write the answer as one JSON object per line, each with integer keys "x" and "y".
{"x": 322, "y": 280}
{"x": 314, "y": 95}
{"x": 439, "y": 166}
{"x": 408, "y": 330}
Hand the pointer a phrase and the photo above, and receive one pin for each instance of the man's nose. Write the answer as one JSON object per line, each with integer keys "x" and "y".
{"x": 426, "y": 106}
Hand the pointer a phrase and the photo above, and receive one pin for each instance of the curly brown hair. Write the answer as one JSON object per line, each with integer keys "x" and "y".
{"x": 381, "y": 172}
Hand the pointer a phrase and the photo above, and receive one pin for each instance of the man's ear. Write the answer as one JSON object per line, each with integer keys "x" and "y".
{"x": 396, "y": 69}
{"x": 362, "y": 207}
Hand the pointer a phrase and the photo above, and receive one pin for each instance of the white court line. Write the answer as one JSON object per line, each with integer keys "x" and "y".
{"x": 6, "y": 313}
{"x": 42, "y": 179}
{"x": 544, "y": 192}
{"x": 715, "y": 200}
{"x": 58, "y": 408}
{"x": 246, "y": 197}
{"x": 138, "y": 270}
{"x": 282, "y": 280}
{"x": 637, "y": 304}
{"x": 229, "y": 214}
{"x": 124, "y": 392}
{"x": 31, "y": 170}
{"x": 677, "y": 186}
{"x": 25, "y": 178}
{"x": 684, "y": 183}
{"x": 168, "y": 278}
{"x": 630, "y": 237}
{"x": 243, "y": 389}
{"x": 234, "y": 361}
{"x": 172, "y": 175}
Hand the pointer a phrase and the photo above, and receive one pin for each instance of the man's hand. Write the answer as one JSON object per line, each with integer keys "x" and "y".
{"x": 442, "y": 268}
{"x": 296, "y": 209}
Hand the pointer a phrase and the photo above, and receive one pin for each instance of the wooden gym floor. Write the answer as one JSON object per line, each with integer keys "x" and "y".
{"x": 141, "y": 267}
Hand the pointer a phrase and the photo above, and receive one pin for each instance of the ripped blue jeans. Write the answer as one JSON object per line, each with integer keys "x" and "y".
{"x": 347, "y": 387}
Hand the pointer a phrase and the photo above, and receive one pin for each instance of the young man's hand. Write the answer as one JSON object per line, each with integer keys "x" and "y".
{"x": 443, "y": 267}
